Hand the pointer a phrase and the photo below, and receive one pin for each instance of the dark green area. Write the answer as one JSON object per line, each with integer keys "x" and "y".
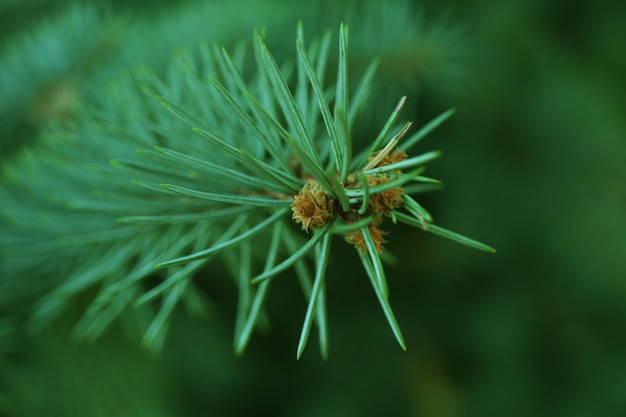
{"x": 533, "y": 165}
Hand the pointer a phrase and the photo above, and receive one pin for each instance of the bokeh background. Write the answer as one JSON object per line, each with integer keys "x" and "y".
{"x": 534, "y": 165}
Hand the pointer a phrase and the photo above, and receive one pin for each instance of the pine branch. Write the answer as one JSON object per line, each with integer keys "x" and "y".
{"x": 211, "y": 162}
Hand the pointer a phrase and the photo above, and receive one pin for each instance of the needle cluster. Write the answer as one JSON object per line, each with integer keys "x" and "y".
{"x": 213, "y": 163}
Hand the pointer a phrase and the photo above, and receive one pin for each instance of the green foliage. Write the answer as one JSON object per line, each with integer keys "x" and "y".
{"x": 202, "y": 169}
{"x": 534, "y": 330}
{"x": 46, "y": 73}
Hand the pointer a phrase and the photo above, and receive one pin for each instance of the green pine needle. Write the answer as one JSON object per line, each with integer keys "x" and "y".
{"x": 322, "y": 256}
{"x": 295, "y": 257}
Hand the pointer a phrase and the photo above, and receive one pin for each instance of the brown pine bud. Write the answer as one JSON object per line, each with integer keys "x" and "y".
{"x": 312, "y": 206}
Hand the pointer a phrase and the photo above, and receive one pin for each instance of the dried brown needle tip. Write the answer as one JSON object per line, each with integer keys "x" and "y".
{"x": 391, "y": 145}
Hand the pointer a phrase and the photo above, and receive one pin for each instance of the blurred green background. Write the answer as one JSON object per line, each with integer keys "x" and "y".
{"x": 533, "y": 165}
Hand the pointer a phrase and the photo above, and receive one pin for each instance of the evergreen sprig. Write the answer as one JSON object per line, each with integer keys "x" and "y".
{"x": 212, "y": 160}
